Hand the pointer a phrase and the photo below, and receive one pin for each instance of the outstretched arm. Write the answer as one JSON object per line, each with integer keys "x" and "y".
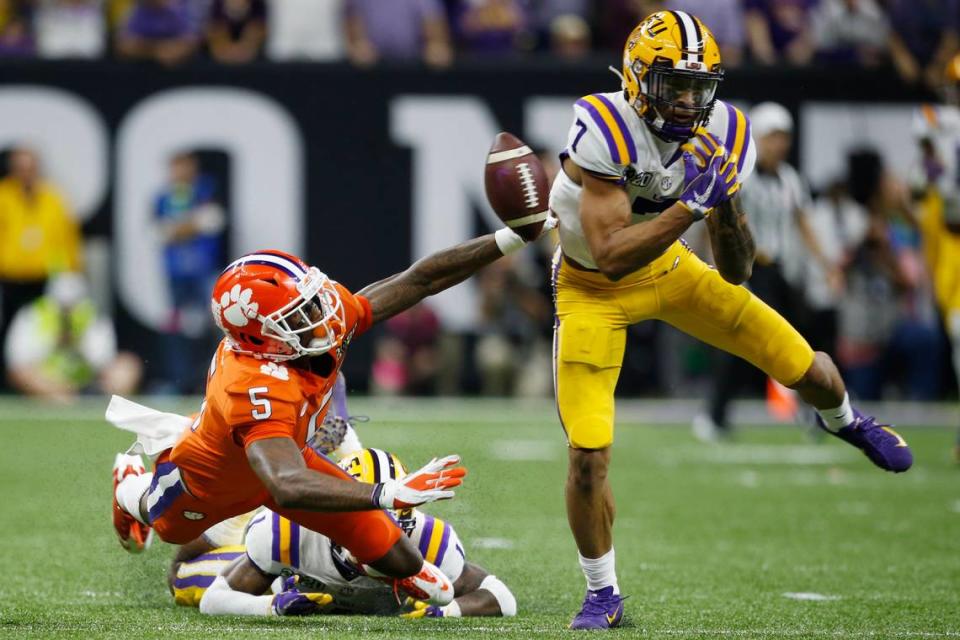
{"x": 293, "y": 485}
{"x": 430, "y": 276}
{"x": 732, "y": 242}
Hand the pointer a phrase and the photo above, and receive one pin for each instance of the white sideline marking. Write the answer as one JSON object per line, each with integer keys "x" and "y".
{"x": 807, "y": 595}
{"x": 525, "y": 450}
{"x": 492, "y": 543}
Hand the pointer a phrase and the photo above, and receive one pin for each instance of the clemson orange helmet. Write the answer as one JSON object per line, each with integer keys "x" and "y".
{"x": 671, "y": 69}
{"x": 272, "y": 305}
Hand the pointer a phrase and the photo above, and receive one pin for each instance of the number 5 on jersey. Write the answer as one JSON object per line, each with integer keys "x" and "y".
{"x": 262, "y": 409}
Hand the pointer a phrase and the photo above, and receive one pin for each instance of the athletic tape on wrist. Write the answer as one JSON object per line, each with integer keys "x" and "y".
{"x": 508, "y": 241}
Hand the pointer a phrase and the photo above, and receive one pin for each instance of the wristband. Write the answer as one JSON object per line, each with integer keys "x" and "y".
{"x": 508, "y": 241}
{"x": 451, "y": 610}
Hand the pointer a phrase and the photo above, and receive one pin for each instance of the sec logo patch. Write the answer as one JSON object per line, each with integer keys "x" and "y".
{"x": 194, "y": 515}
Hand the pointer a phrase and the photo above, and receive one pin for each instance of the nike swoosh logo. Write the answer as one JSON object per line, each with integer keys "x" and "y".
{"x": 900, "y": 441}
{"x": 616, "y": 614}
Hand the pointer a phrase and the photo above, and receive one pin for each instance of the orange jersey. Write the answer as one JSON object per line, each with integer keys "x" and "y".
{"x": 250, "y": 399}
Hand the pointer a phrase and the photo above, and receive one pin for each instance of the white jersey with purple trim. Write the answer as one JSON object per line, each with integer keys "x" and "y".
{"x": 278, "y": 546}
{"x": 611, "y": 142}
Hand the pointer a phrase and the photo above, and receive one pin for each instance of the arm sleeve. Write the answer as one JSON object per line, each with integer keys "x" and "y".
{"x": 454, "y": 558}
{"x": 259, "y": 542}
{"x": 365, "y": 315}
{"x": 219, "y": 600}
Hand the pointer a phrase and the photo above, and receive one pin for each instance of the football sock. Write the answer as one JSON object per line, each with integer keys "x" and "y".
{"x": 600, "y": 572}
{"x": 840, "y": 417}
{"x": 129, "y": 492}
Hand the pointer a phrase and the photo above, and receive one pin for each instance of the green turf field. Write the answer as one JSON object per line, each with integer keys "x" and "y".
{"x": 709, "y": 539}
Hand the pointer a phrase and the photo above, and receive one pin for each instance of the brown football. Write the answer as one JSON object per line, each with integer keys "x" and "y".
{"x": 516, "y": 185}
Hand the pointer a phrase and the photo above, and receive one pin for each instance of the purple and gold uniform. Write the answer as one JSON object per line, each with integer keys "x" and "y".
{"x": 609, "y": 141}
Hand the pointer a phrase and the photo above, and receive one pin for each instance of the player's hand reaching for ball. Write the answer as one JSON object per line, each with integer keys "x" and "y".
{"x": 434, "y": 481}
{"x": 710, "y": 175}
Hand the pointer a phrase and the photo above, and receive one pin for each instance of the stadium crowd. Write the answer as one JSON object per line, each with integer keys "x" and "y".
{"x": 861, "y": 247}
{"x": 916, "y": 36}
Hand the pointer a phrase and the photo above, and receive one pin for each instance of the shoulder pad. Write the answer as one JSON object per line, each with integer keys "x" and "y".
{"x": 732, "y": 127}
{"x": 604, "y": 118}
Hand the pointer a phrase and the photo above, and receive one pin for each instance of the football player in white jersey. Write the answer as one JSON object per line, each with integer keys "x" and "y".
{"x": 642, "y": 165}
{"x": 322, "y": 577}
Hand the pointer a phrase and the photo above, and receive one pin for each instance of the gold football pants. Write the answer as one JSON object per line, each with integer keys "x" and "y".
{"x": 678, "y": 288}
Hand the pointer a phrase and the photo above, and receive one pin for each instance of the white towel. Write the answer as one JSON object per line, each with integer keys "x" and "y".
{"x": 155, "y": 430}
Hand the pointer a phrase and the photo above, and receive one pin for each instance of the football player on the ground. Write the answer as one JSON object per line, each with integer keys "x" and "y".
{"x": 936, "y": 184}
{"x": 640, "y": 167}
{"x": 276, "y": 547}
{"x": 287, "y": 327}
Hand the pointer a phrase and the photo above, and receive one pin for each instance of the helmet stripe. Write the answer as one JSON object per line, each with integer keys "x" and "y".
{"x": 700, "y": 41}
{"x": 688, "y": 34}
{"x": 683, "y": 31}
{"x": 285, "y": 265}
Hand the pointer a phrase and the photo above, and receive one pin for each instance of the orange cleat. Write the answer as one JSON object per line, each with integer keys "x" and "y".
{"x": 134, "y": 536}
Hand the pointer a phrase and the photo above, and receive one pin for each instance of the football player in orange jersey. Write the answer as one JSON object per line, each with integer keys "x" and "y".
{"x": 287, "y": 327}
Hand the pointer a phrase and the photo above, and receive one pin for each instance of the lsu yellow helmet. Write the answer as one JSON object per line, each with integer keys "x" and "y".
{"x": 373, "y": 466}
{"x": 671, "y": 69}
{"x": 376, "y": 465}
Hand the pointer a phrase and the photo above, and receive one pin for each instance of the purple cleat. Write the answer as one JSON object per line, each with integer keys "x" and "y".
{"x": 602, "y": 609}
{"x": 884, "y": 446}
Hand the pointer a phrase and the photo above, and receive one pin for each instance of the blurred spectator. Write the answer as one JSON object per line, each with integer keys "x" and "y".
{"x": 38, "y": 236}
{"x": 725, "y": 19}
{"x": 16, "y": 28}
{"x": 882, "y": 327}
{"x": 237, "y": 30}
{"x": 191, "y": 226}
{"x": 70, "y": 29}
{"x": 545, "y": 13}
{"x": 158, "y": 30}
{"x": 407, "y": 358}
{"x": 490, "y": 27}
{"x": 510, "y": 342}
{"x": 569, "y": 37}
{"x": 839, "y": 224}
{"x": 306, "y": 30}
{"x": 617, "y": 18}
{"x": 850, "y": 31}
{"x": 779, "y": 30}
{"x": 399, "y": 30}
{"x": 925, "y": 35}
{"x": 59, "y": 346}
